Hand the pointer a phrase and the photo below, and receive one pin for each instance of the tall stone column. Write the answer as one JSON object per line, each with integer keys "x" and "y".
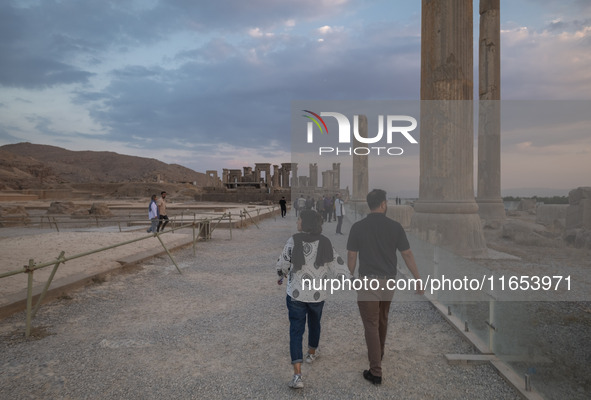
{"x": 360, "y": 166}
{"x": 294, "y": 175}
{"x": 490, "y": 203}
{"x": 275, "y": 176}
{"x": 313, "y": 182}
{"x": 336, "y": 168}
{"x": 446, "y": 212}
{"x": 286, "y": 167}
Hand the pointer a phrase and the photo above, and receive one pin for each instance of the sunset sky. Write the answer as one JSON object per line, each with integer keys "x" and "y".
{"x": 209, "y": 84}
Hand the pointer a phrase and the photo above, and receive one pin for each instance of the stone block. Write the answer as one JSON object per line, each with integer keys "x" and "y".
{"x": 547, "y": 214}
{"x": 526, "y": 205}
{"x": 61, "y": 207}
{"x": 14, "y": 216}
{"x": 578, "y": 214}
{"x": 578, "y": 194}
{"x": 529, "y": 234}
{"x": 100, "y": 210}
{"x": 402, "y": 214}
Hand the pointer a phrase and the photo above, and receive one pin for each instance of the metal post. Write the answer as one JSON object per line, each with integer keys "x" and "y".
{"x": 249, "y": 216}
{"x": 169, "y": 255}
{"x": 194, "y": 239}
{"x": 527, "y": 383}
{"x": 436, "y": 267}
{"x": 30, "y": 271}
{"x": 230, "y": 217}
{"x": 491, "y": 330}
{"x": 48, "y": 283}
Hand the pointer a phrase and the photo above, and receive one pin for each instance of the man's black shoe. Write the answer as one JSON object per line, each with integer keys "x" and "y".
{"x": 376, "y": 380}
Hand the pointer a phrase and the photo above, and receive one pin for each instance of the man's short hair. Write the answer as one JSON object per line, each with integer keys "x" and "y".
{"x": 161, "y": 193}
{"x": 375, "y": 198}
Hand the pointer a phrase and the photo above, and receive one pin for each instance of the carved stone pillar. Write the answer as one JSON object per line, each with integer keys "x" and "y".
{"x": 490, "y": 203}
{"x": 275, "y": 176}
{"x": 360, "y": 166}
{"x": 446, "y": 212}
{"x": 336, "y": 173}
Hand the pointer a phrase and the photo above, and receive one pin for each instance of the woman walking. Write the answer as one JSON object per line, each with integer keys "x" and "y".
{"x": 308, "y": 257}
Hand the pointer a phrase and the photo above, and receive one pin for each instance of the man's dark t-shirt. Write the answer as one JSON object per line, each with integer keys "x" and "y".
{"x": 376, "y": 238}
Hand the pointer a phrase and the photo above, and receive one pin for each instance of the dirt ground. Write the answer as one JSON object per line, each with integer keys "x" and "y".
{"x": 219, "y": 330}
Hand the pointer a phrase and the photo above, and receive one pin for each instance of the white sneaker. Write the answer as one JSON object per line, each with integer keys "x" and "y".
{"x": 296, "y": 382}
{"x": 309, "y": 358}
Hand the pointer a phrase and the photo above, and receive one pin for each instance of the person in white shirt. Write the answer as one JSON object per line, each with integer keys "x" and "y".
{"x": 153, "y": 214}
{"x": 339, "y": 208}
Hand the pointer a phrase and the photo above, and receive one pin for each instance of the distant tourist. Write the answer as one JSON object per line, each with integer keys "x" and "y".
{"x": 376, "y": 239}
{"x": 153, "y": 214}
{"x": 320, "y": 208}
{"x": 328, "y": 208}
{"x": 300, "y": 204}
{"x": 307, "y": 254}
{"x": 309, "y": 203}
{"x": 283, "y": 205}
{"x": 162, "y": 211}
{"x": 339, "y": 210}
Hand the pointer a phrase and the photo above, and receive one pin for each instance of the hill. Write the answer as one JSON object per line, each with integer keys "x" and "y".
{"x": 33, "y": 166}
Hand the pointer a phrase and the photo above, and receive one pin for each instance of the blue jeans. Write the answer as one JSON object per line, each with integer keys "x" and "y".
{"x": 298, "y": 311}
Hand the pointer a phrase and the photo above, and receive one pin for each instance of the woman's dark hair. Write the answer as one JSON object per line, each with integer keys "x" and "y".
{"x": 375, "y": 198}
{"x": 311, "y": 222}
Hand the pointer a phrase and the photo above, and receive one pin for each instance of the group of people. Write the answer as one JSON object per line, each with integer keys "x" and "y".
{"x": 310, "y": 255}
{"x": 157, "y": 213}
{"x": 329, "y": 208}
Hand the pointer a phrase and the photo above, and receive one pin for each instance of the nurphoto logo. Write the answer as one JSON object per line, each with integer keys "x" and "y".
{"x": 395, "y": 125}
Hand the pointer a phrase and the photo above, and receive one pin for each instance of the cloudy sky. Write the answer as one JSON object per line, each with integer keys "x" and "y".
{"x": 208, "y": 84}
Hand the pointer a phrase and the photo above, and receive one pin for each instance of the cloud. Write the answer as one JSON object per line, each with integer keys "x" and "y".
{"x": 549, "y": 64}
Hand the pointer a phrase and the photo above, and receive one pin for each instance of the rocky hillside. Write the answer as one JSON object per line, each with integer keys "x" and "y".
{"x": 27, "y": 166}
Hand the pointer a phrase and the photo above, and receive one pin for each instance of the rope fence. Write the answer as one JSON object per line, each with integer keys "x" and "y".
{"x": 201, "y": 227}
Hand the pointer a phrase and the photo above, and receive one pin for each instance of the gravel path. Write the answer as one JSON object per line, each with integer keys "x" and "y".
{"x": 220, "y": 331}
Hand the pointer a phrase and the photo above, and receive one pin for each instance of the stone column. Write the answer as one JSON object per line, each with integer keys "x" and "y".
{"x": 446, "y": 212}
{"x": 360, "y": 166}
{"x": 313, "y": 175}
{"x": 248, "y": 175}
{"x": 286, "y": 167}
{"x": 294, "y": 175}
{"x": 267, "y": 173}
{"x": 275, "y": 176}
{"x": 328, "y": 180}
{"x": 336, "y": 169}
{"x": 213, "y": 179}
{"x": 490, "y": 203}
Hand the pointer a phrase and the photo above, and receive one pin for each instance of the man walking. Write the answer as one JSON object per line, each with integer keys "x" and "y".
{"x": 283, "y": 204}
{"x": 162, "y": 210}
{"x": 376, "y": 239}
{"x": 339, "y": 212}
